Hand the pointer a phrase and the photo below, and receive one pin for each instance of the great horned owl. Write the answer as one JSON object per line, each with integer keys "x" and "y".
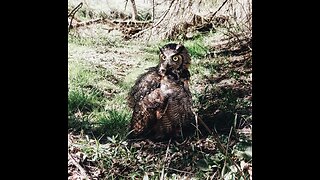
{"x": 160, "y": 98}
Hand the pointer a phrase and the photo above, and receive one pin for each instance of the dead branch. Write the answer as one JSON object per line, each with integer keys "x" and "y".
{"x": 177, "y": 170}
{"x": 202, "y": 123}
{"x": 125, "y": 5}
{"x": 75, "y": 10}
{"x": 131, "y": 22}
{"x": 85, "y": 23}
{"x": 82, "y": 171}
{"x": 72, "y": 13}
{"x": 153, "y": 11}
{"x": 134, "y": 10}
{"x": 212, "y": 16}
{"x": 160, "y": 20}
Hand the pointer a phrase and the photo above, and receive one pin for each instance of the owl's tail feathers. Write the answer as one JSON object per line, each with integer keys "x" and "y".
{"x": 140, "y": 125}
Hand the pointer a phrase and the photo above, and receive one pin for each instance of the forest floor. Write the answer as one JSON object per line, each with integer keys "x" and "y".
{"x": 102, "y": 67}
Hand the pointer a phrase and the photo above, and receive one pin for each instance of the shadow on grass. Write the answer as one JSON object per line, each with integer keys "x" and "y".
{"x": 100, "y": 125}
{"x": 223, "y": 107}
{"x": 226, "y": 100}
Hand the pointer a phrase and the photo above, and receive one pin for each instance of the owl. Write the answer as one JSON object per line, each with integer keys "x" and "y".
{"x": 160, "y": 99}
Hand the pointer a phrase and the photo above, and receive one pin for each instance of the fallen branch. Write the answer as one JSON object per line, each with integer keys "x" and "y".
{"x": 198, "y": 119}
{"x": 177, "y": 170}
{"x": 131, "y": 22}
{"x": 74, "y": 162}
{"x": 85, "y": 23}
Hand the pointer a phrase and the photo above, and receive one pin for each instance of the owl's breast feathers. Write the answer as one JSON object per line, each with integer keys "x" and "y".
{"x": 159, "y": 106}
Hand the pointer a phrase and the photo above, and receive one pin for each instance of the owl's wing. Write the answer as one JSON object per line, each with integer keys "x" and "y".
{"x": 141, "y": 99}
{"x": 144, "y": 85}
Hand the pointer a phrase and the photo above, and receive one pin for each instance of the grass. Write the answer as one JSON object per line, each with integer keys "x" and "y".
{"x": 101, "y": 70}
{"x": 92, "y": 103}
{"x": 196, "y": 47}
{"x": 96, "y": 39}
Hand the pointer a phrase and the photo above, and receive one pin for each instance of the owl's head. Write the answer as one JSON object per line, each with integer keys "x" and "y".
{"x": 174, "y": 59}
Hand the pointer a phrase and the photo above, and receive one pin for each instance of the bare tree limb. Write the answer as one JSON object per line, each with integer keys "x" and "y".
{"x": 72, "y": 13}
{"x": 134, "y": 10}
{"x": 75, "y": 9}
{"x": 160, "y": 20}
{"x": 125, "y": 5}
{"x": 218, "y": 9}
{"x": 153, "y": 11}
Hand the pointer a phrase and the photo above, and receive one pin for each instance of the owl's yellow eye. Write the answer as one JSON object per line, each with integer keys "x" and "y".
{"x": 162, "y": 57}
{"x": 176, "y": 58}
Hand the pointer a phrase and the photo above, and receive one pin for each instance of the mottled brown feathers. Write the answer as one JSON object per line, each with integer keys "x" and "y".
{"x": 160, "y": 98}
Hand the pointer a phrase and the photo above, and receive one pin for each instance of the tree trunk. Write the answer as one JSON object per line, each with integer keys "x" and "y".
{"x": 134, "y": 12}
{"x": 153, "y": 11}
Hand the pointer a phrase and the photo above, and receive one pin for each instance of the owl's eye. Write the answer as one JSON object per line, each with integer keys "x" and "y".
{"x": 176, "y": 58}
{"x": 162, "y": 57}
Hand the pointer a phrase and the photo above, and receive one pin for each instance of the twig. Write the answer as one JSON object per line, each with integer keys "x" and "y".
{"x": 74, "y": 162}
{"x": 153, "y": 11}
{"x": 160, "y": 20}
{"x": 125, "y": 6}
{"x": 226, "y": 154}
{"x": 224, "y": 151}
{"x": 197, "y": 124}
{"x": 219, "y": 144}
{"x": 75, "y": 9}
{"x": 243, "y": 8}
{"x": 72, "y": 13}
{"x": 91, "y": 21}
{"x": 218, "y": 10}
{"x": 180, "y": 170}
{"x": 198, "y": 119}
{"x": 165, "y": 158}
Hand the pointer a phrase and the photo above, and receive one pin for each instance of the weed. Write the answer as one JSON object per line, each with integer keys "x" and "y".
{"x": 196, "y": 48}
{"x": 102, "y": 69}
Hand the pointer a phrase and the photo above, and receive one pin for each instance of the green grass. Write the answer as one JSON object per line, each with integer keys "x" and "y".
{"x": 82, "y": 100}
{"x": 196, "y": 47}
{"x": 93, "y": 39}
{"x": 90, "y": 109}
{"x": 99, "y": 116}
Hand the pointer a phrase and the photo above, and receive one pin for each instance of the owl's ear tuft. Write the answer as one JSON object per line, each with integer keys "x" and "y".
{"x": 160, "y": 50}
{"x": 179, "y": 47}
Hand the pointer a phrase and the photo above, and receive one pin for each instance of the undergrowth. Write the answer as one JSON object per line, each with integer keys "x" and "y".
{"x": 98, "y": 116}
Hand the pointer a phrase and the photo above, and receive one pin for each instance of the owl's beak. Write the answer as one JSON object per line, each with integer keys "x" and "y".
{"x": 162, "y": 70}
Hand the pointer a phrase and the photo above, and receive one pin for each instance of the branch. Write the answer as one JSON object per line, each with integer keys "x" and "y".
{"x": 74, "y": 162}
{"x": 160, "y": 20}
{"x": 218, "y": 10}
{"x": 75, "y": 9}
{"x": 72, "y": 13}
{"x": 125, "y": 6}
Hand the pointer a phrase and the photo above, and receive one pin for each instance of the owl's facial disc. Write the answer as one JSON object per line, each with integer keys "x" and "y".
{"x": 170, "y": 63}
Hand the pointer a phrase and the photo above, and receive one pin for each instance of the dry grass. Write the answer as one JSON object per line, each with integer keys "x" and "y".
{"x": 102, "y": 68}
